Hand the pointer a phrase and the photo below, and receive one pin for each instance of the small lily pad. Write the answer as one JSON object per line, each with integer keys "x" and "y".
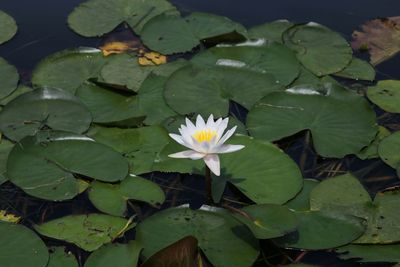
{"x": 319, "y": 49}
{"x": 112, "y": 198}
{"x": 58, "y": 257}
{"x": 224, "y": 241}
{"x": 386, "y": 95}
{"x": 388, "y": 150}
{"x": 121, "y": 255}
{"x": 41, "y": 108}
{"x": 370, "y": 253}
{"x": 358, "y": 70}
{"x": 88, "y": 232}
{"x": 9, "y": 76}
{"x": 271, "y": 31}
{"x": 8, "y": 27}
{"x": 18, "y": 238}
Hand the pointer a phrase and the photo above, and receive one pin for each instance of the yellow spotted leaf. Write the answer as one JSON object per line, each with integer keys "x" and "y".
{"x": 151, "y": 59}
{"x": 117, "y": 47}
{"x": 8, "y": 217}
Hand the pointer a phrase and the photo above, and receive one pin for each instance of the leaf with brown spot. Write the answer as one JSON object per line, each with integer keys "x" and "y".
{"x": 152, "y": 59}
{"x": 381, "y": 37}
{"x": 118, "y": 47}
{"x": 182, "y": 253}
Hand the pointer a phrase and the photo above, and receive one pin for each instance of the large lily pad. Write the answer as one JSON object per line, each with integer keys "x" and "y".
{"x": 266, "y": 58}
{"x": 370, "y": 253}
{"x": 323, "y": 230}
{"x": 268, "y": 220}
{"x": 224, "y": 241}
{"x": 333, "y": 117}
{"x": 46, "y": 107}
{"x": 8, "y": 27}
{"x": 68, "y": 69}
{"x": 88, "y": 232}
{"x": 386, "y": 94}
{"x": 43, "y": 165}
{"x": 319, "y": 49}
{"x": 169, "y": 34}
{"x": 20, "y": 246}
{"x": 208, "y": 91}
{"x": 112, "y": 198}
{"x": 139, "y": 146}
{"x": 58, "y": 257}
{"x": 271, "y": 31}
{"x": 121, "y": 255}
{"x": 261, "y": 171}
{"x": 8, "y": 77}
{"x": 97, "y": 17}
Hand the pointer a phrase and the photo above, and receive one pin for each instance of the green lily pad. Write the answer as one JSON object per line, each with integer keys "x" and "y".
{"x": 9, "y": 76}
{"x": 386, "y": 95}
{"x": 268, "y": 58}
{"x": 370, "y": 253}
{"x": 371, "y": 151}
{"x": 88, "y": 232}
{"x": 21, "y": 247}
{"x": 21, "y": 89}
{"x": 139, "y": 146}
{"x": 302, "y": 200}
{"x": 97, "y": 17}
{"x": 121, "y": 255}
{"x": 268, "y": 220}
{"x": 108, "y": 106}
{"x": 322, "y": 230}
{"x": 333, "y": 117}
{"x": 8, "y": 27}
{"x": 68, "y": 69}
{"x": 358, "y": 70}
{"x": 169, "y": 34}
{"x": 112, "y": 198}
{"x": 46, "y": 107}
{"x": 388, "y": 150}
{"x": 224, "y": 241}
{"x": 319, "y": 49}
{"x": 43, "y": 165}
{"x": 5, "y": 148}
{"x": 271, "y": 31}
{"x": 261, "y": 171}
{"x": 58, "y": 257}
{"x": 208, "y": 91}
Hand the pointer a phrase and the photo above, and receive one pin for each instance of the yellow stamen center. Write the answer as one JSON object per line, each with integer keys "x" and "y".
{"x": 204, "y": 135}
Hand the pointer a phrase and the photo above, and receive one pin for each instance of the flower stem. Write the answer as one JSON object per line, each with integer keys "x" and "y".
{"x": 208, "y": 186}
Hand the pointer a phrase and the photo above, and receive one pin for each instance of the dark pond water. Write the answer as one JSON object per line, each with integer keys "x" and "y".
{"x": 43, "y": 30}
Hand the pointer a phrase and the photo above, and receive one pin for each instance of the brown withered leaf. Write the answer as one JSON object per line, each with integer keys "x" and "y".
{"x": 183, "y": 253}
{"x": 381, "y": 37}
{"x": 151, "y": 58}
{"x": 118, "y": 47}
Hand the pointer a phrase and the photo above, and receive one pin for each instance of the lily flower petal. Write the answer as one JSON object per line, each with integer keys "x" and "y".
{"x": 212, "y": 162}
{"x": 177, "y": 138}
{"x": 228, "y": 149}
{"x": 187, "y": 154}
{"x": 227, "y": 135}
{"x": 200, "y": 122}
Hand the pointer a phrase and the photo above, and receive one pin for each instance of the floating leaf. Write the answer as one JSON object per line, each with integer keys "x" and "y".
{"x": 322, "y": 230}
{"x": 302, "y": 200}
{"x": 268, "y": 220}
{"x": 370, "y": 253}
{"x": 380, "y": 36}
{"x": 389, "y": 150}
{"x": 97, "y": 17}
{"x": 8, "y": 76}
{"x": 139, "y": 146}
{"x": 108, "y": 106}
{"x": 151, "y": 59}
{"x": 265, "y": 58}
{"x": 358, "y": 70}
{"x": 182, "y": 253}
{"x": 121, "y": 255}
{"x": 68, "y": 69}
{"x": 20, "y": 246}
{"x": 5, "y": 148}
{"x": 8, "y": 27}
{"x": 22, "y": 89}
{"x": 271, "y": 31}
{"x": 112, "y": 198}
{"x": 43, "y": 165}
{"x": 169, "y": 34}
{"x": 88, "y": 232}
{"x": 223, "y": 240}
{"x": 46, "y": 107}
{"x": 118, "y": 47}
{"x": 188, "y": 90}
{"x": 9, "y": 217}
{"x": 58, "y": 257}
{"x": 334, "y": 117}
{"x": 386, "y": 94}
{"x": 319, "y": 49}
{"x": 371, "y": 151}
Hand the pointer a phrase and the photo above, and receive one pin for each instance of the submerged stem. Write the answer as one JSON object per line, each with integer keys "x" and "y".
{"x": 208, "y": 186}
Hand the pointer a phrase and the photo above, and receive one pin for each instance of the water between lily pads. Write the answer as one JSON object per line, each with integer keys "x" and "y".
{"x": 43, "y": 31}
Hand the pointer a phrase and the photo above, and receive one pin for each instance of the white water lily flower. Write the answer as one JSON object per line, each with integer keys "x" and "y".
{"x": 205, "y": 140}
